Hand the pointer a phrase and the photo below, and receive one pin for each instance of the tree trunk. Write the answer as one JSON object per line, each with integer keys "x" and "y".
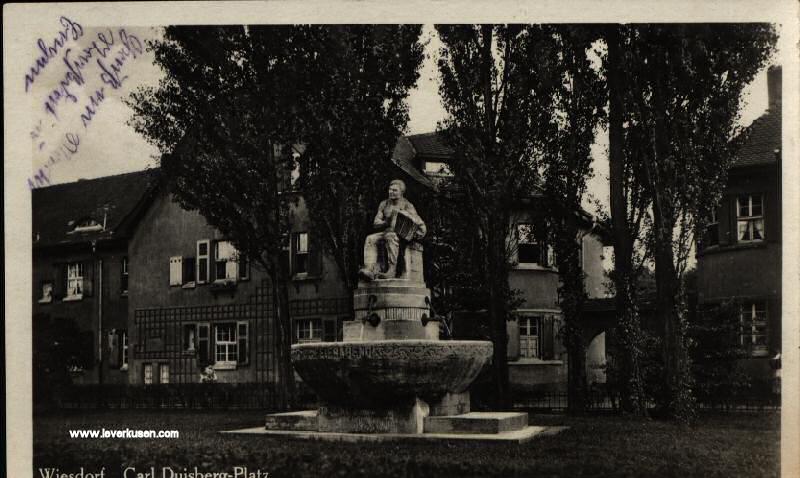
{"x": 677, "y": 392}
{"x": 627, "y": 330}
{"x": 572, "y": 298}
{"x": 498, "y": 285}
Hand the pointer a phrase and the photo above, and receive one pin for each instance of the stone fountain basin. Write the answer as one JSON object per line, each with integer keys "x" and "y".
{"x": 389, "y": 372}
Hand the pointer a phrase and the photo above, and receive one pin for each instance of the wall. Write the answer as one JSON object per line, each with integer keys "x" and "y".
{"x": 747, "y": 270}
{"x": 85, "y": 312}
{"x": 167, "y": 231}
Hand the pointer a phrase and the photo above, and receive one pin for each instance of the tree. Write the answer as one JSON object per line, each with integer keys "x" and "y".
{"x": 566, "y": 169}
{"x": 234, "y": 103}
{"x": 497, "y": 90}
{"x": 359, "y": 113}
{"x": 685, "y": 88}
{"x": 629, "y": 205}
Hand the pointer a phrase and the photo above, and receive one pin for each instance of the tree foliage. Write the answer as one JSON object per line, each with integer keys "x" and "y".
{"x": 360, "y": 111}
{"x": 498, "y": 87}
{"x": 681, "y": 96}
{"x": 236, "y": 101}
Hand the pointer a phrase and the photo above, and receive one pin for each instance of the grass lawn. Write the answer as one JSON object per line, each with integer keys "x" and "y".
{"x": 744, "y": 445}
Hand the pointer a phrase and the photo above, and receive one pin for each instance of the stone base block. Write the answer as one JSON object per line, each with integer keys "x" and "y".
{"x": 477, "y": 422}
{"x": 451, "y": 404}
{"x": 305, "y": 420}
{"x": 408, "y": 419}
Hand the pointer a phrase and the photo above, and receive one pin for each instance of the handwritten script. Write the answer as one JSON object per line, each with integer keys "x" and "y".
{"x": 76, "y": 70}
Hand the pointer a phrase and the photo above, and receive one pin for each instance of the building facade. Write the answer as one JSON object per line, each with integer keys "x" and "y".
{"x": 739, "y": 259}
{"x": 81, "y": 280}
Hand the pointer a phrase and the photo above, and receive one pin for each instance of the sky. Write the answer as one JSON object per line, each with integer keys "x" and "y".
{"x": 108, "y": 145}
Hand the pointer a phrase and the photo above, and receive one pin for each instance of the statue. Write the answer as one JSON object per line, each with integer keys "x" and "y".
{"x": 396, "y": 219}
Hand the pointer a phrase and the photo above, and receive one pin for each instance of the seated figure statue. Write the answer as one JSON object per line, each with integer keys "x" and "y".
{"x": 396, "y": 219}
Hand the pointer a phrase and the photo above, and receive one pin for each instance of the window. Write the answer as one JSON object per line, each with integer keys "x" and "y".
{"x": 74, "y": 280}
{"x": 124, "y": 337}
{"x": 753, "y": 327}
{"x": 163, "y": 373}
{"x": 750, "y": 218}
{"x": 308, "y": 330}
{"x": 529, "y": 333}
{"x": 437, "y": 168}
{"x": 530, "y": 250}
{"x": 147, "y": 374}
{"x": 333, "y": 330}
{"x": 226, "y": 260}
{"x": 189, "y": 337}
{"x": 712, "y": 230}
{"x": 124, "y": 279}
{"x": 202, "y": 261}
{"x": 187, "y": 274}
{"x": 47, "y": 293}
{"x": 118, "y": 349}
{"x": 175, "y": 271}
{"x": 225, "y": 348}
{"x": 87, "y": 225}
{"x": 301, "y": 262}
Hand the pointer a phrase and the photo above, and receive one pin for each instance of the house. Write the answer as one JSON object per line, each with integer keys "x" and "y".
{"x": 81, "y": 232}
{"x": 537, "y": 358}
{"x": 739, "y": 258}
{"x": 192, "y": 307}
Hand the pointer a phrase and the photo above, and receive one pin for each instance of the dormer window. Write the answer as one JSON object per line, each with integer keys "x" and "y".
{"x": 437, "y": 168}
{"x": 87, "y": 225}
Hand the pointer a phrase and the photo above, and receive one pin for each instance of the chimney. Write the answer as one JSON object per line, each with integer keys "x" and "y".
{"x": 774, "y": 86}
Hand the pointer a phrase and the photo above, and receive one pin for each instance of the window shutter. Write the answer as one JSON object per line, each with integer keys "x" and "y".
{"x": 293, "y": 254}
{"x": 203, "y": 344}
{"x": 727, "y": 222}
{"x": 329, "y": 330}
{"x": 294, "y": 331}
{"x": 286, "y": 262}
{"x": 244, "y": 268}
{"x": 188, "y": 270}
{"x": 175, "y": 270}
{"x": 512, "y": 348}
{"x": 60, "y": 284}
{"x": 88, "y": 278}
{"x": 243, "y": 341}
{"x": 113, "y": 349}
{"x": 546, "y": 338}
{"x": 315, "y": 259}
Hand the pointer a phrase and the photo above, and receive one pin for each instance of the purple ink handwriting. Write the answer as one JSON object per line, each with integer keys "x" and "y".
{"x": 93, "y": 65}
{"x": 70, "y": 31}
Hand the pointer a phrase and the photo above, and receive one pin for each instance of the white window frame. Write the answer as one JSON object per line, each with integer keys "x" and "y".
{"x": 749, "y": 220}
{"x": 147, "y": 373}
{"x": 309, "y": 330}
{"x": 176, "y": 271}
{"x": 75, "y": 276}
{"x": 752, "y": 316}
{"x": 200, "y": 279}
{"x": 226, "y": 346}
{"x": 163, "y": 373}
{"x": 530, "y": 334}
{"x": 230, "y": 258}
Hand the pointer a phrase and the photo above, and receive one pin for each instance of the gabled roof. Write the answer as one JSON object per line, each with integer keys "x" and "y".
{"x": 111, "y": 202}
{"x": 404, "y": 156}
{"x": 430, "y": 145}
{"x": 764, "y": 138}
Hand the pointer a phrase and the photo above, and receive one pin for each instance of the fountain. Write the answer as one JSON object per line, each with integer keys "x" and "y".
{"x": 392, "y": 375}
